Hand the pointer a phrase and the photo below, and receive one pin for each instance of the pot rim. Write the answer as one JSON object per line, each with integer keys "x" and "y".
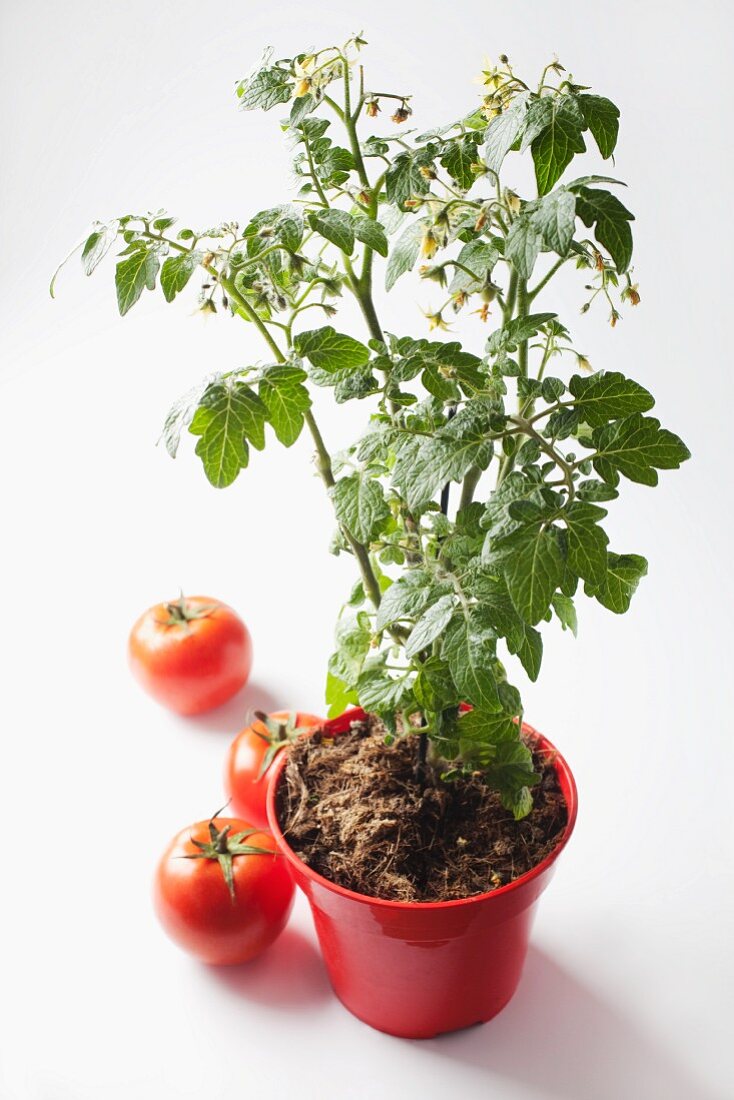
{"x": 562, "y": 770}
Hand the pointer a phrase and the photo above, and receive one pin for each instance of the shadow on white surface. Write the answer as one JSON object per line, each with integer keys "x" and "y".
{"x": 237, "y": 711}
{"x": 289, "y": 975}
{"x": 561, "y": 1038}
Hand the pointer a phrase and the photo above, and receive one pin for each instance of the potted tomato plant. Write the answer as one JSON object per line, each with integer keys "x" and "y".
{"x": 424, "y": 824}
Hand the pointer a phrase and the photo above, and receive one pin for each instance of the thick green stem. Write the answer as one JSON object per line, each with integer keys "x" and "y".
{"x": 471, "y": 480}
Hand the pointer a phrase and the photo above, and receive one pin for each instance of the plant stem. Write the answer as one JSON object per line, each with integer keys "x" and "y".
{"x": 546, "y": 278}
{"x": 471, "y": 480}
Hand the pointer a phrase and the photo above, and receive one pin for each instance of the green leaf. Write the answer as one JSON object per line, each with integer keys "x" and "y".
{"x": 336, "y": 226}
{"x": 406, "y": 598}
{"x": 478, "y": 256}
{"x": 517, "y": 331}
{"x": 608, "y": 395}
{"x": 404, "y": 178}
{"x": 469, "y": 648}
{"x": 555, "y": 147}
{"x": 503, "y": 131}
{"x": 624, "y": 572}
{"x": 132, "y": 275}
{"x": 286, "y": 400}
{"x": 566, "y": 612}
{"x": 228, "y": 414}
{"x": 176, "y": 272}
{"x": 353, "y": 637}
{"x": 458, "y": 157}
{"x": 636, "y": 447}
{"x": 360, "y": 506}
{"x": 182, "y": 412}
{"x": 330, "y": 350}
{"x": 338, "y": 696}
{"x": 423, "y": 467}
{"x": 587, "y": 542}
{"x": 380, "y": 693}
{"x": 97, "y": 245}
{"x": 611, "y": 218}
{"x": 602, "y": 118}
{"x": 434, "y": 687}
{"x": 555, "y": 218}
{"x": 372, "y": 234}
{"x": 530, "y": 650}
{"x": 431, "y": 625}
{"x": 265, "y": 87}
{"x": 523, "y": 245}
{"x": 404, "y": 253}
{"x": 533, "y": 570}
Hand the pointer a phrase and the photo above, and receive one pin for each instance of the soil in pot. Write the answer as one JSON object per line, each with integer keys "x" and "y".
{"x": 352, "y": 809}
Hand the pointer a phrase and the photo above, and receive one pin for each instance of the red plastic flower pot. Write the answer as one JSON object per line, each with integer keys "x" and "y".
{"x": 416, "y": 969}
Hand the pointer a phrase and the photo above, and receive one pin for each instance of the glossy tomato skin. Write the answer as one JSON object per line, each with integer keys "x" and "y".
{"x": 247, "y": 793}
{"x": 194, "y": 905}
{"x": 194, "y": 665}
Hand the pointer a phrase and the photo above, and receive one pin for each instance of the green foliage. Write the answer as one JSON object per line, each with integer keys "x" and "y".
{"x": 453, "y": 592}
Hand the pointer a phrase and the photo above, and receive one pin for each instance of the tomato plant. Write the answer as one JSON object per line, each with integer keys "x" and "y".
{"x": 251, "y": 754}
{"x": 222, "y": 892}
{"x": 191, "y": 654}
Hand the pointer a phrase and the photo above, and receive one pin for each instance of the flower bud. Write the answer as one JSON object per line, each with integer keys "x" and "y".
{"x": 583, "y": 364}
{"x": 429, "y": 244}
{"x": 372, "y": 107}
{"x": 513, "y": 200}
{"x": 402, "y": 114}
{"x": 427, "y": 171}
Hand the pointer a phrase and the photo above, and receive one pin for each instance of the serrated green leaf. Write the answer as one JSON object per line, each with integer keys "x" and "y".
{"x": 360, "y": 505}
{"x": 533, "y": 571}
{"x": 554, "y": 148}
{"x": 267, "y": 86}
{"x": 338, "y": 696}
{"x": 407, "y": 598}
{"x": 430, "y": 625}
{"x": 587, "y": 542}
{"x": 479, "y": 257}
{"x": 228, "y": 413}
{"x": 458, "y": 157}
{"x": 555, "y": 218}
{"x": 602, "y": 118}
{"x": 176, "y": 272}
{"x": 529, "y": 650}
{"x": 469, "y": 648}
{"x": 372, "y": 234}
{"x": 611, "y": 219}
{"x": 424, "y": 466}
{"x": 503, "y": 131}
{"x": 381, "y": 693}
{"x": 404, "y": 253}
{"x": 404, "y": 178}
{"x": 608, "y": 395}
{"x": 132, "y": 275}
{"x": 566, "y": 612}
{"x": 336, "y": 226}
{"x": 330, "y": 350}
{"x": 624, "y": 572}
{"x": 510, "y": 336}
{"x": 286, "y": 399}
{"x": 636, "y": 447}
{"x": 523, "y": 244}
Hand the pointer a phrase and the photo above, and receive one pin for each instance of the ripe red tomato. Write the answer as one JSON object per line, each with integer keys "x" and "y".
{"x": 191, "y": 654}
{"x": 222, "y": 892}
{"x": 251, "y": 754}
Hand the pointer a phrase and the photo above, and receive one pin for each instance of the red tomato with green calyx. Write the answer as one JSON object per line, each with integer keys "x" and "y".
{"x": 191, "y": 654}
{"x": 222, "y": 891}
{"x": 246, "y": 769}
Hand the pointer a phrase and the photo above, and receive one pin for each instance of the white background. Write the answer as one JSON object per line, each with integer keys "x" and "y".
{"x": 108, "y": 108}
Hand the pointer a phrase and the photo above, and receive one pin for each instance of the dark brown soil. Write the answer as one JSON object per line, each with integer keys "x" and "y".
{"x": 353, "y": 811}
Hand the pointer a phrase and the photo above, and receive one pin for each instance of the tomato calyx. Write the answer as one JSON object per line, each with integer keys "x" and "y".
{"x": 224, "y": 846}
{"x": 181, "y": 612}
{"x": 278, "y": 734}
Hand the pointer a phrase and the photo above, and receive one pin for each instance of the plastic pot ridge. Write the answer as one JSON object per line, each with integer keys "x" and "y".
{"x": 416, "y": 969}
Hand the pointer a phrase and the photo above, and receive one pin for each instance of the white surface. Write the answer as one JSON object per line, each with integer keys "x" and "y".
{"x": 627, "y": 989}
